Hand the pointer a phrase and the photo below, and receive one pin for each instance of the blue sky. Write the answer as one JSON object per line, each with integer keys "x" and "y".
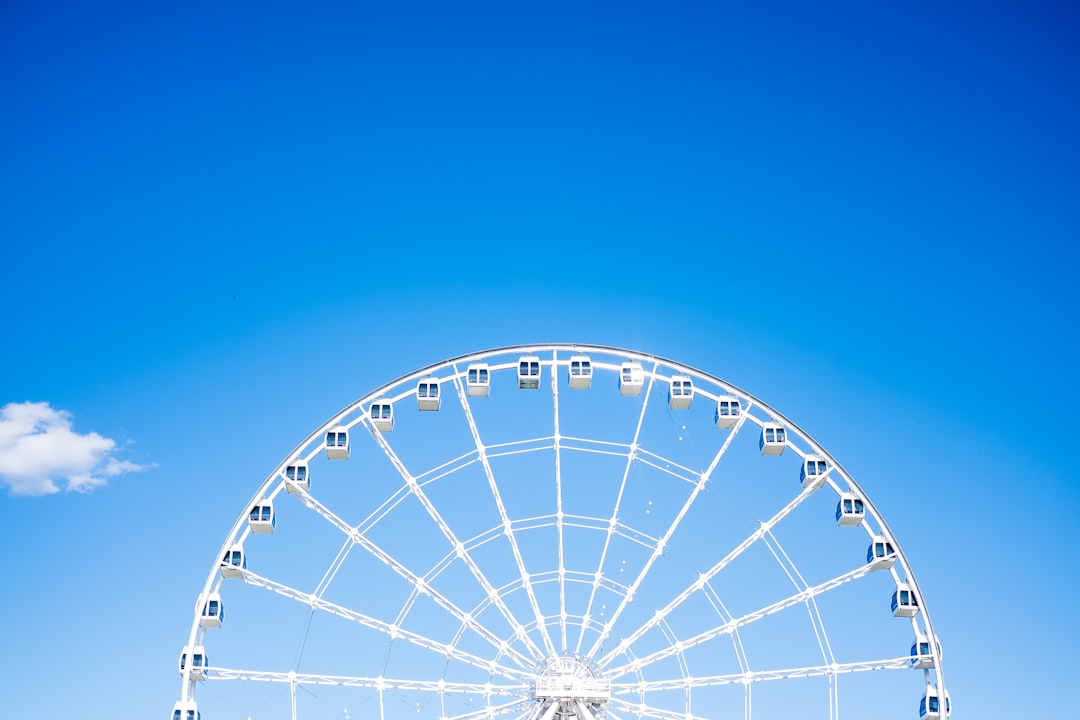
{"x": 220, "y": 225}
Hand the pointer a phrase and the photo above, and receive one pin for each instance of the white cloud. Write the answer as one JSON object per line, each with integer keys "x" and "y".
{"x": 40, "y": 454}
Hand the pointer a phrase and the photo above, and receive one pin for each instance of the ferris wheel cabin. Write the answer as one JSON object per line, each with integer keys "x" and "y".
{"x": 427, "y": 394}
{"x": 773, "y": 439}
{"x": 881, "y": 554}
{"x": 920, "y": 653}
{"x": 930, "y": 706}
{"x": 213, "y": 612}
{"x": 337, "y": 444}
{"x": 813, "y": 471}
{"x": 234, "y": 562}
{"x": 850, "y": 510}
{"x": 382, "y": 415}
{"x": 904, "y": 602}
{"x": 728, "y": 410}
{"x": 296, "y": 478}
{"x": 528, "y": 372}
{"x": 478, "y": 380}
{"x": 580, "y": 372}
{"x": 631, "y": 378}
{"x": 680, "y": 392}
{"x": 199, "y": 662}
{"x": 186, "y": 711}
{"x": 262, "y": 519}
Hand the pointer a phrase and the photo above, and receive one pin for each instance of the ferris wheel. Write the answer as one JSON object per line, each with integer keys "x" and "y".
{"x": 557, "y": 532}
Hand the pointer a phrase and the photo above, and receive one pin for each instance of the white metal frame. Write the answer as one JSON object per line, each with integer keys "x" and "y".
{"x": 560, "y": 648}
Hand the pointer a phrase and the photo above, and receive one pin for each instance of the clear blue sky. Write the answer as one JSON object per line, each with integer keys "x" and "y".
{"x": 219, "y": 225}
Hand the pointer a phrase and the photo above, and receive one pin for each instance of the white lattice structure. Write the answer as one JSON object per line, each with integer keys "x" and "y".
{"x": 558, "y": 531}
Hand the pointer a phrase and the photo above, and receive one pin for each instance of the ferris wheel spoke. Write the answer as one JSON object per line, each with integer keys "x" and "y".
{"x": 458, "y": 546}
{"x": 658, "y": 549}
{"x": 390, "y": 630}
{"x": 613, "y": 521}
{"x": 508, "y": 530}
{"x": 705, "y": 577}
{"x": 642, "y": 710}
{"x": 440, "y": 687}
{"x": 491, "y": 711}
{"x": 825, "y": 670}
{"x": 326, "y": 513}
{"x": 735, "y": 623}
{"x": 559, "y": 515}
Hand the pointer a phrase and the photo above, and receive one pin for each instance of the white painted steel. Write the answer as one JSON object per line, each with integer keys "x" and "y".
{"x": 557, "y": 639}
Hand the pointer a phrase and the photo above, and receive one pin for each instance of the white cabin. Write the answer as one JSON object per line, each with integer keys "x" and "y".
{"x": 728, "y": 411}
{"x": 337, "y": 444}
{"x": 297, "y": 479}
{"x": 850, "y": 510}
{"x": 773, "y": 439}
{"x": 213, "y": 612}
{"x": 186, "y": 711}
{"x": 478, "y": 380}
{"x": 680, "y": 392}
{"x": 904, "y": 602}
{"x": 198, "y": 662}
{"x": 234, "y": 562}
{"x": 631, "y": 378}
{"x": 881, "y": 554}
{"x": 428, "y": 397}
{"x": 528, "y": 372}
{"x": 920, "y": 653}
{"x": 262, "y": 519}
{"x": 930, "y": 706}
{"x": 381, "y": 413}
{"x": 580, "y": 372}
{"x": 812, "y": 474}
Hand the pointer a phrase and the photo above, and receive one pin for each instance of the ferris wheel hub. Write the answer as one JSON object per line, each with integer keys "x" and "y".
{"x": 569, "y": 679}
